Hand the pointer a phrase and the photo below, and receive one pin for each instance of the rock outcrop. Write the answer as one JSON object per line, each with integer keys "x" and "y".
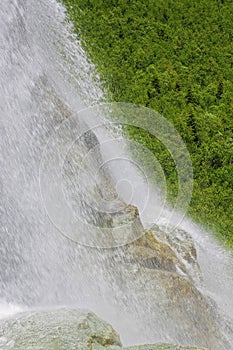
{"x": 153, "y": 274}
{"x": 155, "y": 271}
{"x": 149, "y": 252}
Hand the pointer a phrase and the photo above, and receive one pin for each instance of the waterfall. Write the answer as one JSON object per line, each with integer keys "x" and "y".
{"x": 45, "y": 80}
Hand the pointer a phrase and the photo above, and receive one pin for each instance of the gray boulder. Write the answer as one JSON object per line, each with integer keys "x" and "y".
{"x": 59, "y": 329}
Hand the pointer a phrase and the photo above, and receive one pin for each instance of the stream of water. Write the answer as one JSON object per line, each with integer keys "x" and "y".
{"x": 45, "y": 77}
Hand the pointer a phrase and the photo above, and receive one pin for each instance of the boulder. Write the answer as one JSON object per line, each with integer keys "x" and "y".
{"x": 59, "y": 329}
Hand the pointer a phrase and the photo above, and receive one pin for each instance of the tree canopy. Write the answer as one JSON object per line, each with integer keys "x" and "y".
{"x": 174, "y": 56}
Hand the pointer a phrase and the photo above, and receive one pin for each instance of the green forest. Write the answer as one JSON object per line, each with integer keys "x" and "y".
{"x": 175, "y": 57}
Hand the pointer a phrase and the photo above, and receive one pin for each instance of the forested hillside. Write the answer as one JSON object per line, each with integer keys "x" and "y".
{"x": 174, "y": 56}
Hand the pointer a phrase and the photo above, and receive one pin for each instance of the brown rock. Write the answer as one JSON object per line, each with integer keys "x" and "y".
{"x": 149, "y": 252}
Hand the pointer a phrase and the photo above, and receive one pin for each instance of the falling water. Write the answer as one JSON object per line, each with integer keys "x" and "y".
{"x": 45, "y": 78}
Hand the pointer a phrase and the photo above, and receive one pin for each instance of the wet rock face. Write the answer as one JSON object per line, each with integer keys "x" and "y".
{"x": 182, "y": 244}
{"x": 149, "y": 252}
{"x": 155, "y": 271}
{"x": 65, "y": 329}
{"x": 171, "y": 302}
